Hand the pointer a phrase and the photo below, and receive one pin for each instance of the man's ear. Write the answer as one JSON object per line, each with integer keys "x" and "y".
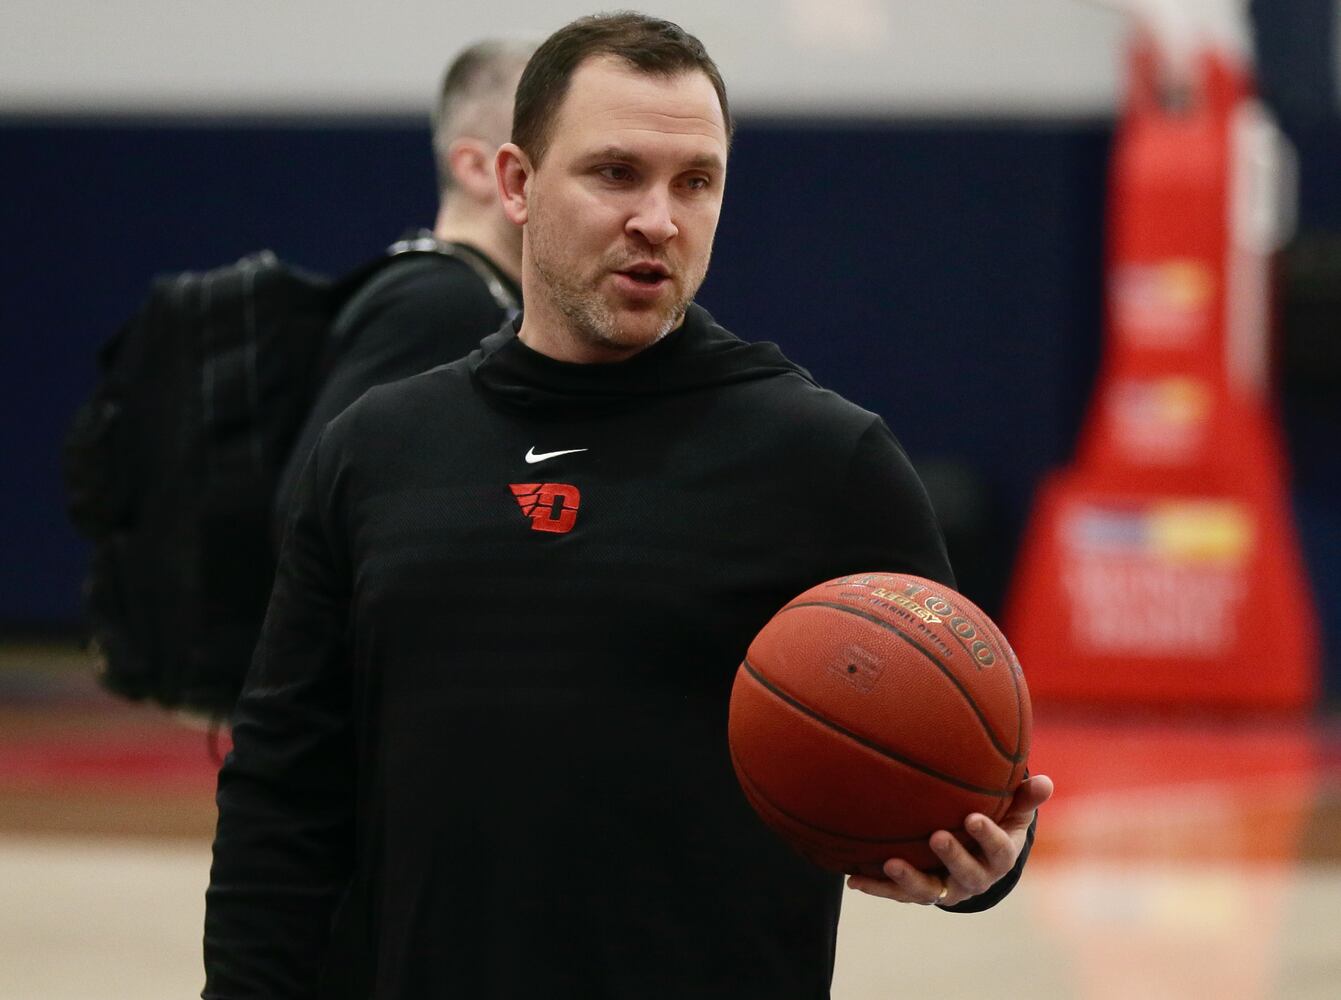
{"x": 470, "y": 161}
{"x": 512, "y": 169}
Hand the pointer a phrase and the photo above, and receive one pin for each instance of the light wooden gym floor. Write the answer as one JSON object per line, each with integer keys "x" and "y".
{"x": 1191, "y": 859}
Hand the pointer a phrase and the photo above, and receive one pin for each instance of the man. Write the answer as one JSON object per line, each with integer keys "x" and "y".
{"x": 420, "y": 311}
{"x": 482, "y": 752}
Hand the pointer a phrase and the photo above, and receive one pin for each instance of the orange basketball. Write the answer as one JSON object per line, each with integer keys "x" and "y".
{"x": 872, "y": 711}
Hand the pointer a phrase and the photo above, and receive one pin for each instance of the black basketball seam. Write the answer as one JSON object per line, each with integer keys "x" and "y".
{"x": 755, "y": 790}
{"x": 1011, "y": 757}
{"x": 930, "y": 772}
{"x": 1017, "y": 675}
{"x": 1021, "y": 757}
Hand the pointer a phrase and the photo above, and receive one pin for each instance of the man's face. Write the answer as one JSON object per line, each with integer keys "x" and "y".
{"x": 621, "y": 212}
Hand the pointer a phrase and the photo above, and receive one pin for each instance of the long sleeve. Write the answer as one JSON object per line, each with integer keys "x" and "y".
{"x": 283, "y": 849}
{"x": 890, "y": 516}
{"x": 998, "y": 892}
{"x": 885, "y": 520}
{"x": 416, "y": 314}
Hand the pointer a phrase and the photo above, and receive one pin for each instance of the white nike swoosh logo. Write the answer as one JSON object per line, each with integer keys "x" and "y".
{"x": 532, "y": 457}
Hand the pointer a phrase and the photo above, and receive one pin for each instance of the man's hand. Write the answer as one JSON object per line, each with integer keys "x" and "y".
{"x": 967, "y": 873}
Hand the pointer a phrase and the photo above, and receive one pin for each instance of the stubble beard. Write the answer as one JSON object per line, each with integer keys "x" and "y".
{"x": 588, "y": 312}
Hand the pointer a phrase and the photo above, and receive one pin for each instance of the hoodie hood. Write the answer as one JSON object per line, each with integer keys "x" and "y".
{"x": 695, "y": 355}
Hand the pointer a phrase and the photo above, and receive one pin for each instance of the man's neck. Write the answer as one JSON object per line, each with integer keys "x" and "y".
{"x": 558, "y": 342}
{"x": 481, "y": 233}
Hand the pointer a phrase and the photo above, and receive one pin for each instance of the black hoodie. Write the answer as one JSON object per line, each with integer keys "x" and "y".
{"x": 482, "y": 751}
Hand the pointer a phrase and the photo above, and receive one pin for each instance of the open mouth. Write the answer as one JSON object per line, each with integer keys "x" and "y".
{"x": 646, "y": 274}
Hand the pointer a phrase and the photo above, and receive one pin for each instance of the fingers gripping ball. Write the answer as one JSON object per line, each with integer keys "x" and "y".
{"x": 872, "y": 711}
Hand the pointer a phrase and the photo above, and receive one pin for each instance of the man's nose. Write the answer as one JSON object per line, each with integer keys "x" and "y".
{"x": 652, "y": 218}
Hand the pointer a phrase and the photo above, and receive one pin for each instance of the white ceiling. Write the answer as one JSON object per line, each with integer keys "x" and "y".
{"x": 935, "y": 57}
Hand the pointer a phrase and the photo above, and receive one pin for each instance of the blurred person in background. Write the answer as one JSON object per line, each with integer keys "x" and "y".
{"x": 424, "y": 310}
{"x": 482, "y": 750}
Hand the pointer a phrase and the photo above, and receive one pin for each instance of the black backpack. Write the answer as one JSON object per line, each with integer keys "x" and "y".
{"x": 171, "y": 468}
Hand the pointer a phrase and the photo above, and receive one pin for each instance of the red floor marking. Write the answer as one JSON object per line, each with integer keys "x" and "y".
{"x": 149, "y": 759}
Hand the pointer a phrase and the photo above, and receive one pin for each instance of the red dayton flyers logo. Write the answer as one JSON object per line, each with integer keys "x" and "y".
{"x": 550, "y": 506}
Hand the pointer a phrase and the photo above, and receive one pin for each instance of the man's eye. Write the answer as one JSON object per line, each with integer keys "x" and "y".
{"x": 698, "y": 183}
{"x": 615, "y": 173}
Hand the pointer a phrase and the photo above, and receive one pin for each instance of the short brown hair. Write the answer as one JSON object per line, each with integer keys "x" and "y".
{"x": 475, "y": 98}
{"x": 648, "y": 44}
